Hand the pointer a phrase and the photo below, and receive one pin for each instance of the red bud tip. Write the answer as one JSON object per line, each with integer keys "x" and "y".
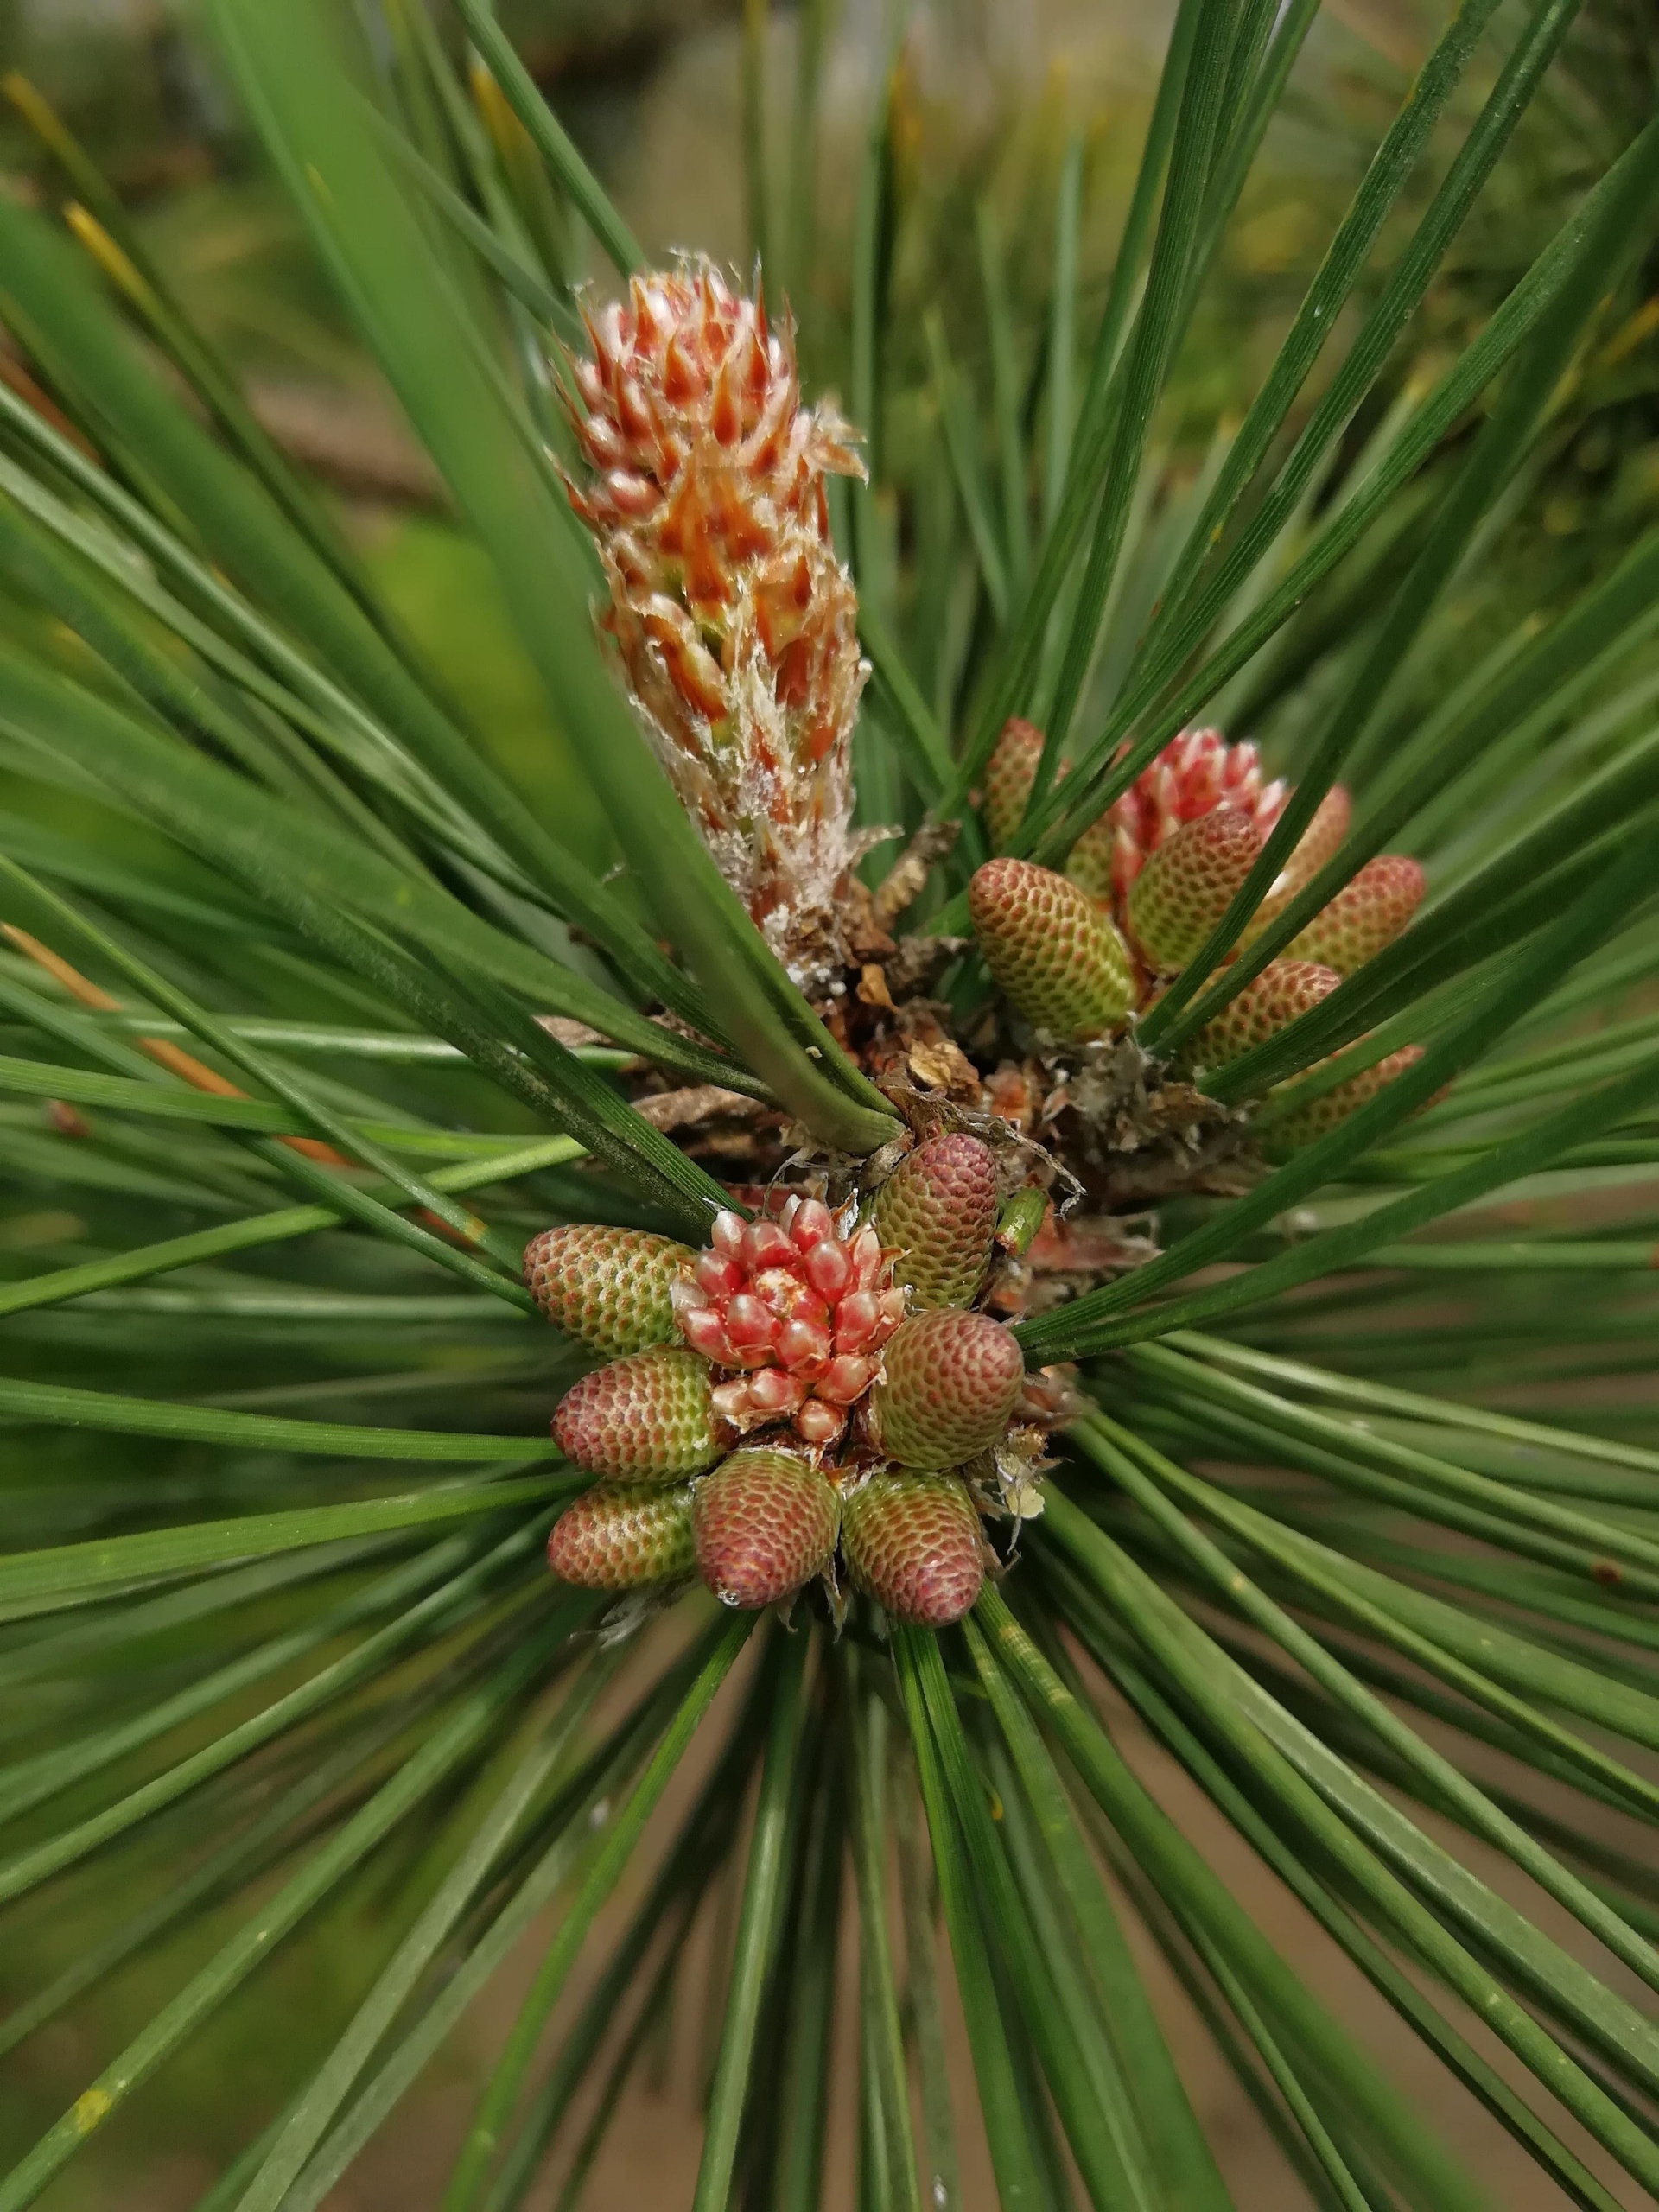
{"x": 793, "y": 1313}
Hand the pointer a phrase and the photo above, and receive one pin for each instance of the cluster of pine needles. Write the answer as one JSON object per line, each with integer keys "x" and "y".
{"x": 1360, "y": 1529}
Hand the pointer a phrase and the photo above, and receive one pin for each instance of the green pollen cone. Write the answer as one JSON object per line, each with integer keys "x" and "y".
{"x": 938, "y": 1212}
{"x": 644, "y": 1418}
{"x": 1187, "y": 884}
{"x": 606, "y": 1288}
{"x": 949, "y": 1385}
{"x": 623, "y": 1536}
{"x": 1053, "y": 954}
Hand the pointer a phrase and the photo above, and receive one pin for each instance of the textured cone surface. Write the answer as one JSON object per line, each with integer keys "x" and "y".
{"x": 609, "y": 1288}
{"x": 1320, "y": 840}
{"x": 737, "y": 626}
{"x": 1365, "y": 915}
{"x": 1053, "y": 954}
{"x": 1089, "y": 864}
{"x": 938, "y": 1211}
{"x": 1284, "y": 989}
{"x": 1009, "y": 774}
{"x": 1320, "y": 1115}
{"x": 949, "y": 1384}
{"x": 912, "y": 1543}
{"x": 624, "y": 1536}
{"x": 764, "y": 1522}
{"x": 1193, "y": 774}
{"x": 1187, "y": 884}
{"x": 642, "y": 1418}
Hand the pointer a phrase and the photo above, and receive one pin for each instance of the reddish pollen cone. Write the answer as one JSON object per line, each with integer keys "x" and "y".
{"x": 645, "y": 1418}
{"x": 764, "y": 1522}
{"x": 912, "y": 1543}
{"x": 938, "y": 1211}
{"x": 1368, "y": 913}
{"x": 949, "y": 1382}
{"x": 1187, "y": 884}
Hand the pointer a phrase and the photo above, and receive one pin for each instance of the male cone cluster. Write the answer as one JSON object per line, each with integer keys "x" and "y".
{"x": 808, "y": 1386}
{"x": 1074, "y": 955}
{"x": 821, "y": 1389}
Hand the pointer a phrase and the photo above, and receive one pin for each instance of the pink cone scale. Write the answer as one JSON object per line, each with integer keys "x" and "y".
{"x": 609, "y": 1288}
{"x": 624, "y": 1536}
{"x": 1284, "y": 989}
{"x": 794, "y": 1314}
{"x": 1369, "y": 912}
{"x": 764, "y": 1523}
{"x": 1051, "y": 951}
{"x": 912, "y": 1543}
{"x": 646, "y": 1418}
{"x": 937, "y": 1213}
{"x": 949, "y": 1381}
{"x": 1187, "y": 884}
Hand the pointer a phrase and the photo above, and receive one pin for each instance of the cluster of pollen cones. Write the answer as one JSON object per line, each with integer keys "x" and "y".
{"x": 737, "y": 629}
{"x": 811, "y": 1388}
{"x": 1078, "y": 953}
{"x": 817, "y": 1391}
